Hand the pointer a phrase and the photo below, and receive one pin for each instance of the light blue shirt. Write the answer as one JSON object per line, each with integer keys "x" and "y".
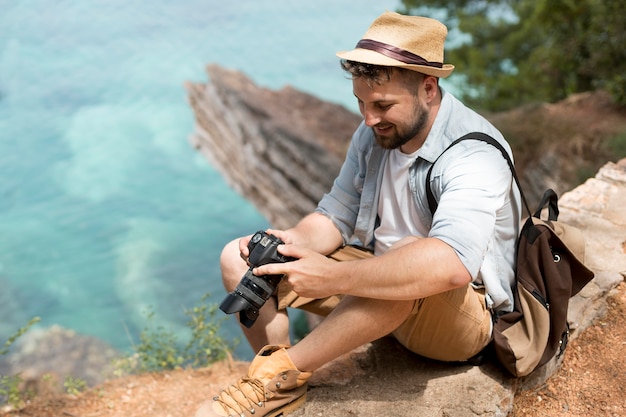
{"x": 479, "y": 205}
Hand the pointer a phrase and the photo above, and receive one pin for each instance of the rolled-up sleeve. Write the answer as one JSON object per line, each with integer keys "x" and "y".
{"x": 341, "y": 204}
{"x": 472, "y": 183}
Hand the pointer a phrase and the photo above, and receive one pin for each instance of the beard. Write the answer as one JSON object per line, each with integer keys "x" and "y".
{"x": 402, "y": 134}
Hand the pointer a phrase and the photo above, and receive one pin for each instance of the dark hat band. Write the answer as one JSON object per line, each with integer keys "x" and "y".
{"x": 396, "y": 53}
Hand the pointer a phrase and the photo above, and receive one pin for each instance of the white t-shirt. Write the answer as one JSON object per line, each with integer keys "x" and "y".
{"x": 479, "y": 205}
{"x": 397, "y": 203}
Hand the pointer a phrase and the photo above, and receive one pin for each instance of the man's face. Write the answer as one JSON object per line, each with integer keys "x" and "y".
{"x": 394, "y": 112}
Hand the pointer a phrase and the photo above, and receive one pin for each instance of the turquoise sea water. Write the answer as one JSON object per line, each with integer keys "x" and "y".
{"x": 105, "y": 210}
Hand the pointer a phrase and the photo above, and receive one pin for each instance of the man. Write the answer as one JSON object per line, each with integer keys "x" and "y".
{"x": 433, "y": 282}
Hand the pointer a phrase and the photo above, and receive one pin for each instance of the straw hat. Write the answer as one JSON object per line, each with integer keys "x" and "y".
{"x": 410, "y": 42}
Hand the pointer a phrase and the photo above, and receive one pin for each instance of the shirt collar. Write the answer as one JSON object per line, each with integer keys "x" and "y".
{"x": 436, "y": 141}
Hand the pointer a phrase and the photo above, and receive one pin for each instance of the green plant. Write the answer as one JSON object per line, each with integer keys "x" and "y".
{"x": 584, "y": 172}
{"x": 617, "y": 145}
{"x": 9, "y": 384}
{"x": 74, "y": 385}
{"x": 9, "y": 390}
{"x": 21, "y": 331}
{"x": 157, "y": 349}
{"x": 160, "y": 349}
{"x": 509, "y": 53}
{"x": 205, "y": 346}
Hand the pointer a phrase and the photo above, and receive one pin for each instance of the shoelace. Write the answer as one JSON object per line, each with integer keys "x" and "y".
{"x": 257, "y": 390}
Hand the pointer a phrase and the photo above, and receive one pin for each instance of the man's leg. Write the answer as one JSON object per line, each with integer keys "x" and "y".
{"x": 272, "y": 326}
{"x": 276, "y": 380}
{"x": 354, "y": 322}
{"x": 451, "y": 326}
{"x": 277, "y": 377}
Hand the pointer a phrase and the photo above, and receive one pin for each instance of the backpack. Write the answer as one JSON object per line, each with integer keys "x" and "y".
{"x": 549, "y": 271}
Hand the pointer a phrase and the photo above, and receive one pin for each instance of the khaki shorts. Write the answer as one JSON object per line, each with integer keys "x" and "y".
{"x": 450, "y": 326}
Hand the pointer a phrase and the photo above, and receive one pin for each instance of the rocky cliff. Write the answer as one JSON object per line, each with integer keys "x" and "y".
{"x": 282, "y": 149}
{"x": 560, "y": 145}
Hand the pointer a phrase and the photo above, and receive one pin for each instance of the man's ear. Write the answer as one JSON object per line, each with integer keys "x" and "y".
{"x": 431, "y": 87}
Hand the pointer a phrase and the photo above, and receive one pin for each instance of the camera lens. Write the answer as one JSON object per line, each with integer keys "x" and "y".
{"x": 256, "y": 289}
{"x": 253, "y": 291}
{"x": 256, "y": 238}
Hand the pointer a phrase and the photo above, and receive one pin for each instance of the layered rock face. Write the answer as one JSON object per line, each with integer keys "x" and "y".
{"x": 281, "y": 150}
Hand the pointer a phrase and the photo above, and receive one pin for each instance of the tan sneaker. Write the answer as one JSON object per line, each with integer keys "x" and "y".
{"x": 273, "y": 386}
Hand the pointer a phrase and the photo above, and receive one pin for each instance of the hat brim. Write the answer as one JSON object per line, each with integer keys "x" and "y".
{"x": 371, "y": 57}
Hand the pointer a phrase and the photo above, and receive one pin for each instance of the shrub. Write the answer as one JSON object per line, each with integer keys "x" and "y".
{"x": 159, "y": 348}
{"x": 9, "y": 384}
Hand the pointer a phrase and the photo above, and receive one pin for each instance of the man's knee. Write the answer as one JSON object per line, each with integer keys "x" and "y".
{"x": 450, "y": 326}
{"x": 232, "y": 265}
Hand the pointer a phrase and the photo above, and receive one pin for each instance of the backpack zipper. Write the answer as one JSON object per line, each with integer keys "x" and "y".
{"x": 540, "y": 298}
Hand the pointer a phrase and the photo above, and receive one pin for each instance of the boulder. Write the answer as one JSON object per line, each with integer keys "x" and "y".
{"x": 55, "y": 354}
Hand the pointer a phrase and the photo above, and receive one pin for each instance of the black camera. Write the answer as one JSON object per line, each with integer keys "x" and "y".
{"x": 253, "y": 291}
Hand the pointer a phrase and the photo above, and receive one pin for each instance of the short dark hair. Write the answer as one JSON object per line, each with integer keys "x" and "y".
{"x": 379, "y": 73}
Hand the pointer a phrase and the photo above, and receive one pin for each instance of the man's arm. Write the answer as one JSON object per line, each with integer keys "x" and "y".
{"x": 414, "y": 268}
{"x": 315, "y": 232}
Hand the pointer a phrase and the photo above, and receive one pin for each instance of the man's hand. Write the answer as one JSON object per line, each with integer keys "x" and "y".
{"x": 244, "y": 241}
{"x": 310, "y": 275}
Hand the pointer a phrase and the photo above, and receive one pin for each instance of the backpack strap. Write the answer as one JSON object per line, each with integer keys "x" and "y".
{"x": 432, "y": 202}
{"x": 549, "y": 199}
